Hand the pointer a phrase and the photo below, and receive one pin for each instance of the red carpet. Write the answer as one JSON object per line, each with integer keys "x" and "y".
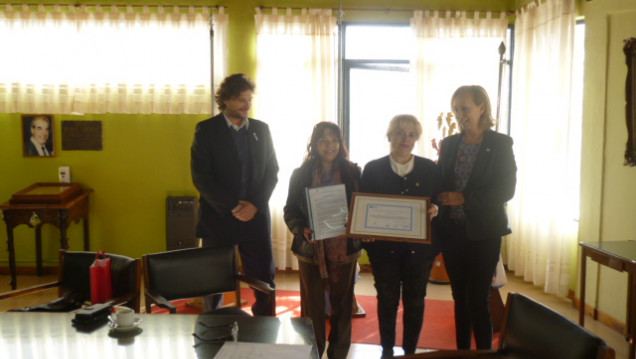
{"x": 438, "y": 331}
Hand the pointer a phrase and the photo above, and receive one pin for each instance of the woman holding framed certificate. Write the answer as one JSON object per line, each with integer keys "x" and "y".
{"x": 479, "y": 174}
{"x": 401, "y": 269}
{"x": 330, "y": 263}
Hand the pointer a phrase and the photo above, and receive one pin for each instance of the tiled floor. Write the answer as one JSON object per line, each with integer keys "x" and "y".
{"x": 365, "y": 287}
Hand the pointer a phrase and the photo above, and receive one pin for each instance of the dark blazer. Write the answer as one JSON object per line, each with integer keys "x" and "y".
{"x": 295, "y": 210}
{"x": 31, "y": 150}
{"x": 216, "y": 173}
{"x": 424, "y": 181}
{"x": 491, "y": 184}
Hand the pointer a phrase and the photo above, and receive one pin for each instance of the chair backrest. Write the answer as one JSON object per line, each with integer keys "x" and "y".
{"x": 75, "y": 275}
{"x": 532, "y": 330}
{"x": 191, "y": 272}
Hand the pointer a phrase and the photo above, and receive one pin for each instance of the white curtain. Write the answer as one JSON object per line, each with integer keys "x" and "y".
{"x": 451, "y": 50}
{"x": 93, "y": 59}
{"x": 545, "y": 127}
{"x": 295, "y": 89}
{"x": 220, "y": 22}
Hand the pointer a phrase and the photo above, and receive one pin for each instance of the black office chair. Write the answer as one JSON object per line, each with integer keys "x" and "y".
{"x": 74, "y": 285}
{"x": 197, "y": 272}
{"x": 533, "y": 331}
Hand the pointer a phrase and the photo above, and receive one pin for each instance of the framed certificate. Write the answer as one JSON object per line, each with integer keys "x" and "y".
{"x": 328, "y": 211}
{"x": 389, "y": 217}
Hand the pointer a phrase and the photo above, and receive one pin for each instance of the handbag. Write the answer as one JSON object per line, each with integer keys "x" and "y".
{"x": 101, "y": 279}
{"x": 500, "y": 279}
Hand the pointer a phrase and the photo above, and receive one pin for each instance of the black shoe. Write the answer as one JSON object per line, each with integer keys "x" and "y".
{"x": 358, "y": 311}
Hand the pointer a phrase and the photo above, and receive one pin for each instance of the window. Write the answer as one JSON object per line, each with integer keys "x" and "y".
{"x": 376, "y": 80}
{"x": 379, "y": 83}
{"x": 113, "y": 59}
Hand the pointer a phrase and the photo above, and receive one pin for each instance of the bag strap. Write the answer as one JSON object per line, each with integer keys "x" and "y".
{"x": 102, "y": 253}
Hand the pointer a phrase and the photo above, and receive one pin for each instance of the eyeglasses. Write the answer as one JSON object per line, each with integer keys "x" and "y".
{"x": 233, "y": 335}
{"x": 400, "y": 133}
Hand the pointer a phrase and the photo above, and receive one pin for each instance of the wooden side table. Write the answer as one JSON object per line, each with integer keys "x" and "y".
{"x": 35, "y": 215}
{"x": 620, "y": 256}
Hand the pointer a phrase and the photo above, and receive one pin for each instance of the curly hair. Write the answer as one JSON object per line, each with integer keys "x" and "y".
{"x": 312, "y": 158}
{"x": 231, "y": 87}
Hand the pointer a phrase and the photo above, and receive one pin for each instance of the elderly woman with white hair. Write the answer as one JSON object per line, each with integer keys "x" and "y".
{"x": 401, "y": 269}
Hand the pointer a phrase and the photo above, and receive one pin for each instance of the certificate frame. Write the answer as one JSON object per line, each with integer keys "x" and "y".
{"x": 389, "y": 217}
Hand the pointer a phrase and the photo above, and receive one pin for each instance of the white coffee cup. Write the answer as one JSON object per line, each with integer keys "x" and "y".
{"x": 124, "y": 316}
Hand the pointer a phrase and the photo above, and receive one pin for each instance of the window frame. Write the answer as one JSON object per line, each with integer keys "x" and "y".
{"x": 370, "y": 64}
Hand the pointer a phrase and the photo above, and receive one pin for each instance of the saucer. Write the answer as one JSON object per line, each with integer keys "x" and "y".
{"x": 115, "y": 327}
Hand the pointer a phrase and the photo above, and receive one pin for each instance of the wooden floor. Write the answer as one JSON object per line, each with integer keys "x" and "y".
{"x": 289, "y": 281}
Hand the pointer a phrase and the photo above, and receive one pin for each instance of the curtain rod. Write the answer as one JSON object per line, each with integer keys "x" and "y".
{"x": 115, "y": 5}
{"x": 390, "y": 10}
{"x": 260, "y": 7}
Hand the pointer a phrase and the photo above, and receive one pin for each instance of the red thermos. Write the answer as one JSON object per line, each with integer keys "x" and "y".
{"x": 101, "y": 281}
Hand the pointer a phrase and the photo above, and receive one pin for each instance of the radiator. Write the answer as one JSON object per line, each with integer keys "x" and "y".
{"x": 181, "y": 216}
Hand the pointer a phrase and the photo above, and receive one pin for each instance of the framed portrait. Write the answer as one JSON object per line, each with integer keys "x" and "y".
{"x": 37, "y": 136}
{"x": 390, "y": 217}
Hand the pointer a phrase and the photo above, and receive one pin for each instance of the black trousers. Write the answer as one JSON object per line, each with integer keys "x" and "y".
{"x": 400, "y": 273}
{"x": 312, "y": 301}
{"x": 257, "y": 259}
{"x": 470, "y": 265}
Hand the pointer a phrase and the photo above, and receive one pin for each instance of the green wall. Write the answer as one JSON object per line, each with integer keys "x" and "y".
{"x": 146, "y": 158}
{"x": 608, "y": 193}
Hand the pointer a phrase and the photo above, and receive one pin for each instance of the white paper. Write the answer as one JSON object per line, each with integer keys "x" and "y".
{"x": 389, "y": 217}
{"x": 244, "y": 350}
{"x": 328, "y": 211}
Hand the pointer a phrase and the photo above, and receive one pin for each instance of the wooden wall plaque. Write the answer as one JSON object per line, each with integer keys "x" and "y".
{"x": 82, "y": 135}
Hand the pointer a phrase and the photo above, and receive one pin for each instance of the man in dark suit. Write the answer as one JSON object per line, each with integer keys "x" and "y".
{"x": 36, "y": 145}
{"x": 235, "y": 170}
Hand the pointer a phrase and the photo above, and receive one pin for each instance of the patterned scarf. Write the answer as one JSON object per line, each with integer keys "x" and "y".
{"x": 332, "y": 252}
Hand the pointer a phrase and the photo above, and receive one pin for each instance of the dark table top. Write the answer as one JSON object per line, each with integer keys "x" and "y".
{"x": 625, "y": 250}
{"x": 44, "y": 335}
